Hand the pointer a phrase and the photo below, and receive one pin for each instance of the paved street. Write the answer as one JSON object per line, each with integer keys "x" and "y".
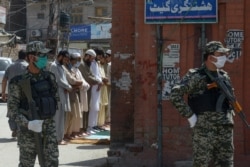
{"x": 71, "y": 155}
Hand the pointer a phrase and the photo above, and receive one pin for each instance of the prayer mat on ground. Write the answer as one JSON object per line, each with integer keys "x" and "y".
{"x": 102, "y": 137}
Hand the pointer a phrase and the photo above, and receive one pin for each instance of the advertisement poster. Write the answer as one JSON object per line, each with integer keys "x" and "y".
{"x": 233, "y": 41}
{"x": 171, "y": 70}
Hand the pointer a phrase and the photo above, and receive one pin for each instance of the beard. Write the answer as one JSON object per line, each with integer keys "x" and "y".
{"x": 88, "y": 62}
{"x": 60, "y": 62}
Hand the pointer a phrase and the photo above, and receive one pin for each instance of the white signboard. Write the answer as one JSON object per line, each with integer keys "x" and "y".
{"x": 100, "y": 31}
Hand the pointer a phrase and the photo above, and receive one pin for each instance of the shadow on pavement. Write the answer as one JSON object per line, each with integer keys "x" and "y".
{"x": 93, "y": 147}
{"x": 7, "y": 140}
{"x": 2, "y": 102}
{"x": 101, "y": 162}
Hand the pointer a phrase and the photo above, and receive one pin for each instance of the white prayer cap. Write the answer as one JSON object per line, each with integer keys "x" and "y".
{"x": 75, "y": 55}
{"x": 90, "y": 52}
{"x": 108, "y": 52}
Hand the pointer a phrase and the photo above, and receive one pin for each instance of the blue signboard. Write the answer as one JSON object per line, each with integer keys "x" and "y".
{"x": 80, "y": 32}
{"x": 180, "y": 11}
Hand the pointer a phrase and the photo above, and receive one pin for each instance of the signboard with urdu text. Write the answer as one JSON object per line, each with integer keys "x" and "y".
{"x": 180, "y": 11}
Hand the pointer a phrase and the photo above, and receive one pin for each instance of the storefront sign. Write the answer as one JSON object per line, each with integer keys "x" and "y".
{"x": 90, "y": 31}
{"x": 100, "y": 31}
{"x": 80, "y": 32}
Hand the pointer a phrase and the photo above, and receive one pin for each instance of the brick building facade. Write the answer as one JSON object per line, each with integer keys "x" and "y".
{"x": 137, "y": 119}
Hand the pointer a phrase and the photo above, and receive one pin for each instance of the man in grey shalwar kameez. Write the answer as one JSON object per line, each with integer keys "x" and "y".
{"x": 63, "y": 88}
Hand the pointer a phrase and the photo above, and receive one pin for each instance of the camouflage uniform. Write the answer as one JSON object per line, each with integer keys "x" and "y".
{"x": 213, "y": 131}
{"x": 26, "y": 139}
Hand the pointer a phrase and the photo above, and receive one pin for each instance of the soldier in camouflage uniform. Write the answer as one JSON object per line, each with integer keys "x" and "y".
{"x": 43, "y": 87}
{"x": 210, "y": 117}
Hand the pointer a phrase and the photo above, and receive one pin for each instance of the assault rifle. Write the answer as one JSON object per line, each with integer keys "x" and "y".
{"x": 25, "y": 84}
{"x": 221, "y": 83}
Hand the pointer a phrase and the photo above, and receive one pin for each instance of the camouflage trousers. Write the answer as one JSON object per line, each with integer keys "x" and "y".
{"x": 12, "y": 125}
{"x": 213, "y": 146}
{"x": 27, "y": 146}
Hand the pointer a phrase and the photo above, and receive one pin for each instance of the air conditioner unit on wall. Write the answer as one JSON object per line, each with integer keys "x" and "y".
{"x": 35, "y": 33}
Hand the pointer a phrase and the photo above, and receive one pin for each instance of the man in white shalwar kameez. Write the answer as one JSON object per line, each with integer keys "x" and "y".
{"x": 63, "y": 88}
{"x": 95, "y": 98}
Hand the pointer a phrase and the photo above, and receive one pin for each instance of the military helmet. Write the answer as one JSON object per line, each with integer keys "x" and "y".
{"x": 37, "y": 46}
{"x": 215, "y": 46}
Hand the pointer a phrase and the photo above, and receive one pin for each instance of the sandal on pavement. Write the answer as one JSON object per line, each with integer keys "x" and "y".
{"x": 62, "y": 142}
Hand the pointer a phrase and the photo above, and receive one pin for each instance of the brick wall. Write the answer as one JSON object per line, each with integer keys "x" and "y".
{"x": 134, "y": 111}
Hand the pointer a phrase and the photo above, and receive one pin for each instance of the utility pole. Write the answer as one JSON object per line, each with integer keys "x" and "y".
{"x": 53, "y": 33}
{"x": 59, "y": 23}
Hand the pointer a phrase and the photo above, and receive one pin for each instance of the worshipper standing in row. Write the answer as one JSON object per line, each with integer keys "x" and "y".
{"x": 103, "y": 91}
{"x": 108, "y": 75}
{"x": 91, "y": 79}
{"x": 69, "y": 132}
{"x": 63, "y": 90}
{"x": 76, "y": 61}
{"x": 74, "y": 118}
{"x": 94, "y": 105}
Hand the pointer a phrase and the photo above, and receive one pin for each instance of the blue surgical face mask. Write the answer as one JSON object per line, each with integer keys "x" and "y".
{"x": 41, "y": 62}
{"x": 69, "y": 66}
{"x": 77, "y": 64}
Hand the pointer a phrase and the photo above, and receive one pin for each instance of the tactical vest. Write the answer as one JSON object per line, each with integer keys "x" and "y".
{"x": 208, "y": 100}
{"x": 44, "y": 97}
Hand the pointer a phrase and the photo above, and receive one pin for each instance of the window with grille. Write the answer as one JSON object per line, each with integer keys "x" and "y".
{"x": 77, "y": 15}
{"x": 101, "y": 11}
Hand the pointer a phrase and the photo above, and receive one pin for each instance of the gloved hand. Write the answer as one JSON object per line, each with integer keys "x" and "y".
{"x": 35, "y": 125}
{"x": 192, "y": 120}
